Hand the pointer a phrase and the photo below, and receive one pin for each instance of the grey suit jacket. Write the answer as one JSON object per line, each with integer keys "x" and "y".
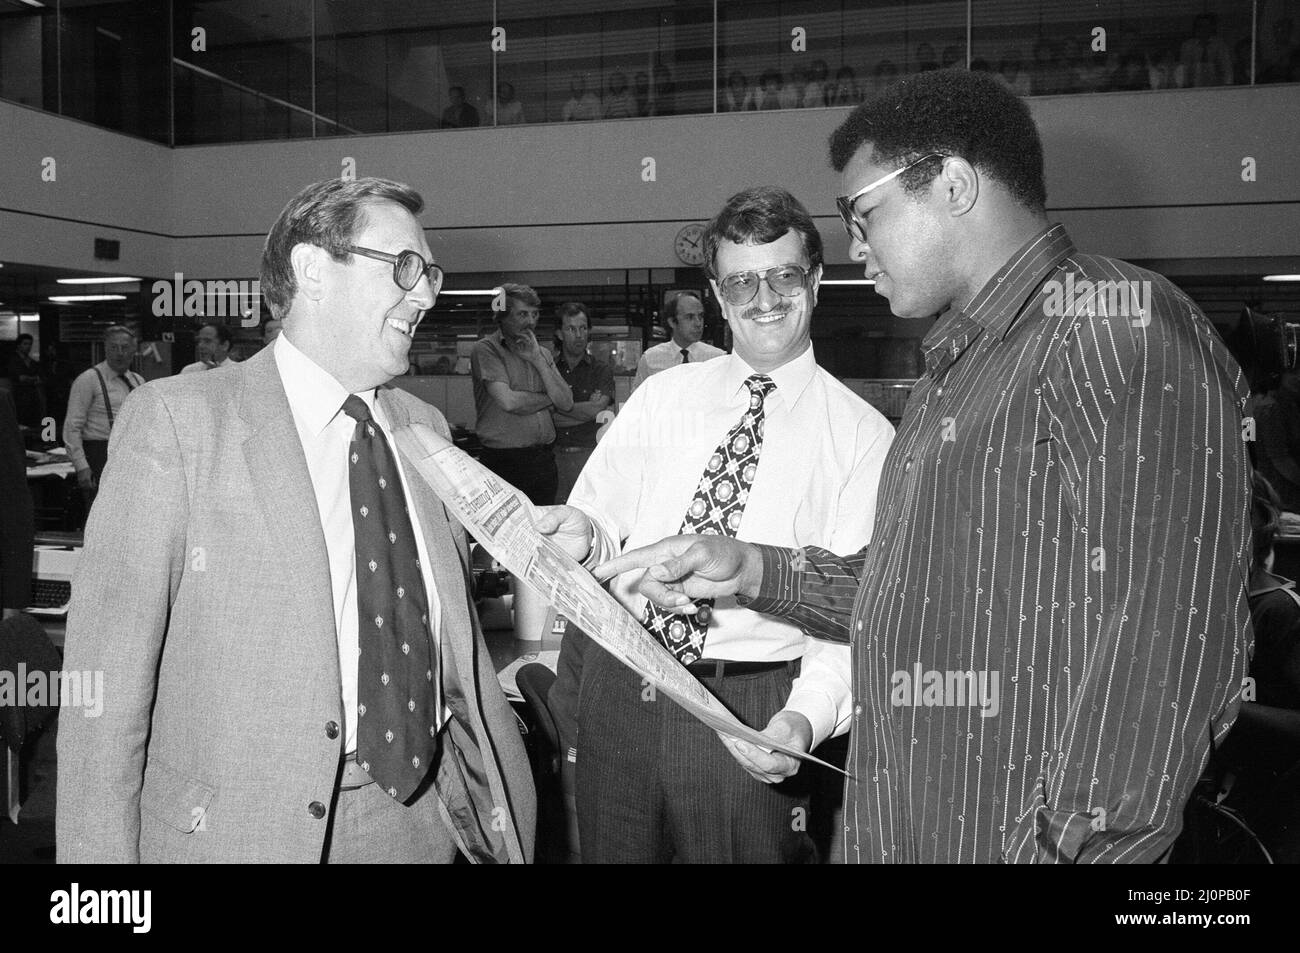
{"x": 203, "y": 595}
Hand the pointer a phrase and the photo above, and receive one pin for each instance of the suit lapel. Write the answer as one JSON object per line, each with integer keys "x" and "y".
{"x": 278, "y": 468}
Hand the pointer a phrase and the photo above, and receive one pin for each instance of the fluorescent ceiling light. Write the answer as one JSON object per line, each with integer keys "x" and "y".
{"x": 848, "y": 281}
{"x": 32, "y": 3}
{"x": 485, "y": 291}
{"x": 72, "y": 299}
{"x": 97, "y": 281}
{"x": 1282, "y": 277}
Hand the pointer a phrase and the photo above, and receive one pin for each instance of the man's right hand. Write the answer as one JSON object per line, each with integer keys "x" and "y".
{"x": 681, "y": 569}
{"x": 85, "y": 479}
{"x": 526, "y": 346}
{"x": 568, "y": 527}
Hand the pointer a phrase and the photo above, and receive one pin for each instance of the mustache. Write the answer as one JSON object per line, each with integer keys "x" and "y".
{"x": 751, "y": 313}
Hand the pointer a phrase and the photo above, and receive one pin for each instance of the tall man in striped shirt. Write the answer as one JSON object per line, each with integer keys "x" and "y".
{"x": 1050, "y": 625}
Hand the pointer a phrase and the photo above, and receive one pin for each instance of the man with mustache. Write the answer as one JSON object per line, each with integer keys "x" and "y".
{"x": 1064, "y": 510}
{"x": 761, "y": 444}
{"x": 278, "y": 602}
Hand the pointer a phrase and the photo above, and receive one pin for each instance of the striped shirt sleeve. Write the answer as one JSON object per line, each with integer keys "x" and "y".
{"x": 811, "y": 588}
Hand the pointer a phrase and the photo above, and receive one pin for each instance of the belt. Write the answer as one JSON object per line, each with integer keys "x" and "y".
{"x": 353, "y": 777}
{"x": 722, "y": 668}
{"x": 559, "y": 449}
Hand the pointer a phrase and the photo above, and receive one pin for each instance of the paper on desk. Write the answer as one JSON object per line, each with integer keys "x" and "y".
{"x": 501, "y": 519}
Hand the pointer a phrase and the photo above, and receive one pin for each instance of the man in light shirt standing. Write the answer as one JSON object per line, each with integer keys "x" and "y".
{"x": 761, "y": 444}
{"x": 516, "y": 385}
{"x": 684, "y": 316}
{"x": 214, "y": 343}
{"x": 94, "y": 402}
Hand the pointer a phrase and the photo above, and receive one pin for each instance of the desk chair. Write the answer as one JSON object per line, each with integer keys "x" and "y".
{"x": 535, "y": 681}
{"x": 557, "y": 829}
{"x": 1246, "y": 807}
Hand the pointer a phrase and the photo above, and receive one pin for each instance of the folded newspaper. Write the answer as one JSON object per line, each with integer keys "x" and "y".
{"x": 501, "y": 519}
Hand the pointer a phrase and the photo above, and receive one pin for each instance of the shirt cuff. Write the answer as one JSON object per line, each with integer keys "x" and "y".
{"x": 779, "y": 590}
{"x": 601, "y": 549}
{"x": 818, "y": 708}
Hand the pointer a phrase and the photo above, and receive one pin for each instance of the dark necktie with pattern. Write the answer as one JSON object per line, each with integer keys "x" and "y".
{"x": 686, "y": 356}
{"x": 397, "y": 716}
{"x": 716, "y": 509}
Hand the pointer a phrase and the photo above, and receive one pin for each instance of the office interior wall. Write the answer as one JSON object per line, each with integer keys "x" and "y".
{"x": 1136, "y": 175}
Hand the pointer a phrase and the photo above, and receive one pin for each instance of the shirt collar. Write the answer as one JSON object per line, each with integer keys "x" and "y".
{"x": 999, "y": 302}
{"x": 561, "y": 359}
{"x": 314, "y": 395}
{"x": 791, "y": 378}
{"x": 111, "y": 375}
{"x": 1261, "y": 582}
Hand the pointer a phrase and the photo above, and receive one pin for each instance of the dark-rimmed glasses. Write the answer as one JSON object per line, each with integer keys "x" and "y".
{"x": 847, "y": 204}
{"x": 742, "y": 287}
{"x": 408, "y": 267}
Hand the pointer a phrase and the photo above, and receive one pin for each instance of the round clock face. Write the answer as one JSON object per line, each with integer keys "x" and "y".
{"x": 689, "y": 244}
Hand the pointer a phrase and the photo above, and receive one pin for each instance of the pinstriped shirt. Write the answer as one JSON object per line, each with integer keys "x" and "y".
{"x": 1050, "y": 624}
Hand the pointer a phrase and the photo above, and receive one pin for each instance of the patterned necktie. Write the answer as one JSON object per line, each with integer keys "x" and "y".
{"x": 397, "y": 715}
{"x": 716, "y": 509}
{"x": 686, "y": 356}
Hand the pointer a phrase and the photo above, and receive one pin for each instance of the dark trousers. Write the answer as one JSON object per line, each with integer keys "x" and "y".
{"x": 530, "y": 469}
{"x": 655, "y": 785}
{"x": 96, "y": 457}
{"x": 569, "y": 462}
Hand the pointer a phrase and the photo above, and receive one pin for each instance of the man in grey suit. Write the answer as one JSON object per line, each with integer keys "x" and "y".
{"x": 293, "y": 667}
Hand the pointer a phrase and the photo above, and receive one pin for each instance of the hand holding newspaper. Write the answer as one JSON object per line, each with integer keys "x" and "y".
{"x": 501, "y": 519}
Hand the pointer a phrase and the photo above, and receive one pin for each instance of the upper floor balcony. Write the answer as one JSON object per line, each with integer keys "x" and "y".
{"x": 185, "y": 72}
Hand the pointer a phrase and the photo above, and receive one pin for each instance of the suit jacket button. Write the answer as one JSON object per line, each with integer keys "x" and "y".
{"x": 316, "y": 809}
{"x": 331, "y": 729}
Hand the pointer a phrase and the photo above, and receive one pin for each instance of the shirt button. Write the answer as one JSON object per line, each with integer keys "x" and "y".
{"x": 859, "y": 626}
{"x": 857, "y": 710}
{"x": 331, "y": 729}
{"x": 316, "y": 809}
{"x": 938, "y": 391}
{"x": 908, "y": 464}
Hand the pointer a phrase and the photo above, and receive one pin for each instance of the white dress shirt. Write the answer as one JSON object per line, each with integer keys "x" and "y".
{"x": 316, "y": 399}
{"x": 200, "y": 366}
{"x": 823, "y": 449}
{"x": 87, "y": 418}
{"x": 669, "y": 354}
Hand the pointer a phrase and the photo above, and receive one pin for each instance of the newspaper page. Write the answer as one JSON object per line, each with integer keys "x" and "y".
{"x": 501, "y": 519}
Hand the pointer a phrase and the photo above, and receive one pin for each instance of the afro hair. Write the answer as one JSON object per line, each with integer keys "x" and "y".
{"x": 955, "y": 113}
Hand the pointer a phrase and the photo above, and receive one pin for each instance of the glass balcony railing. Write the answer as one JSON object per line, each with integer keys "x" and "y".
{"x": 184, "y": 72}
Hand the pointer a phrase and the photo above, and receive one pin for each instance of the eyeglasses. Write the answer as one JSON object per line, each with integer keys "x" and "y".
{"x": 742, "y": 287}
{"x": 854, "y": 224}
{"x": 408, "y": 267}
